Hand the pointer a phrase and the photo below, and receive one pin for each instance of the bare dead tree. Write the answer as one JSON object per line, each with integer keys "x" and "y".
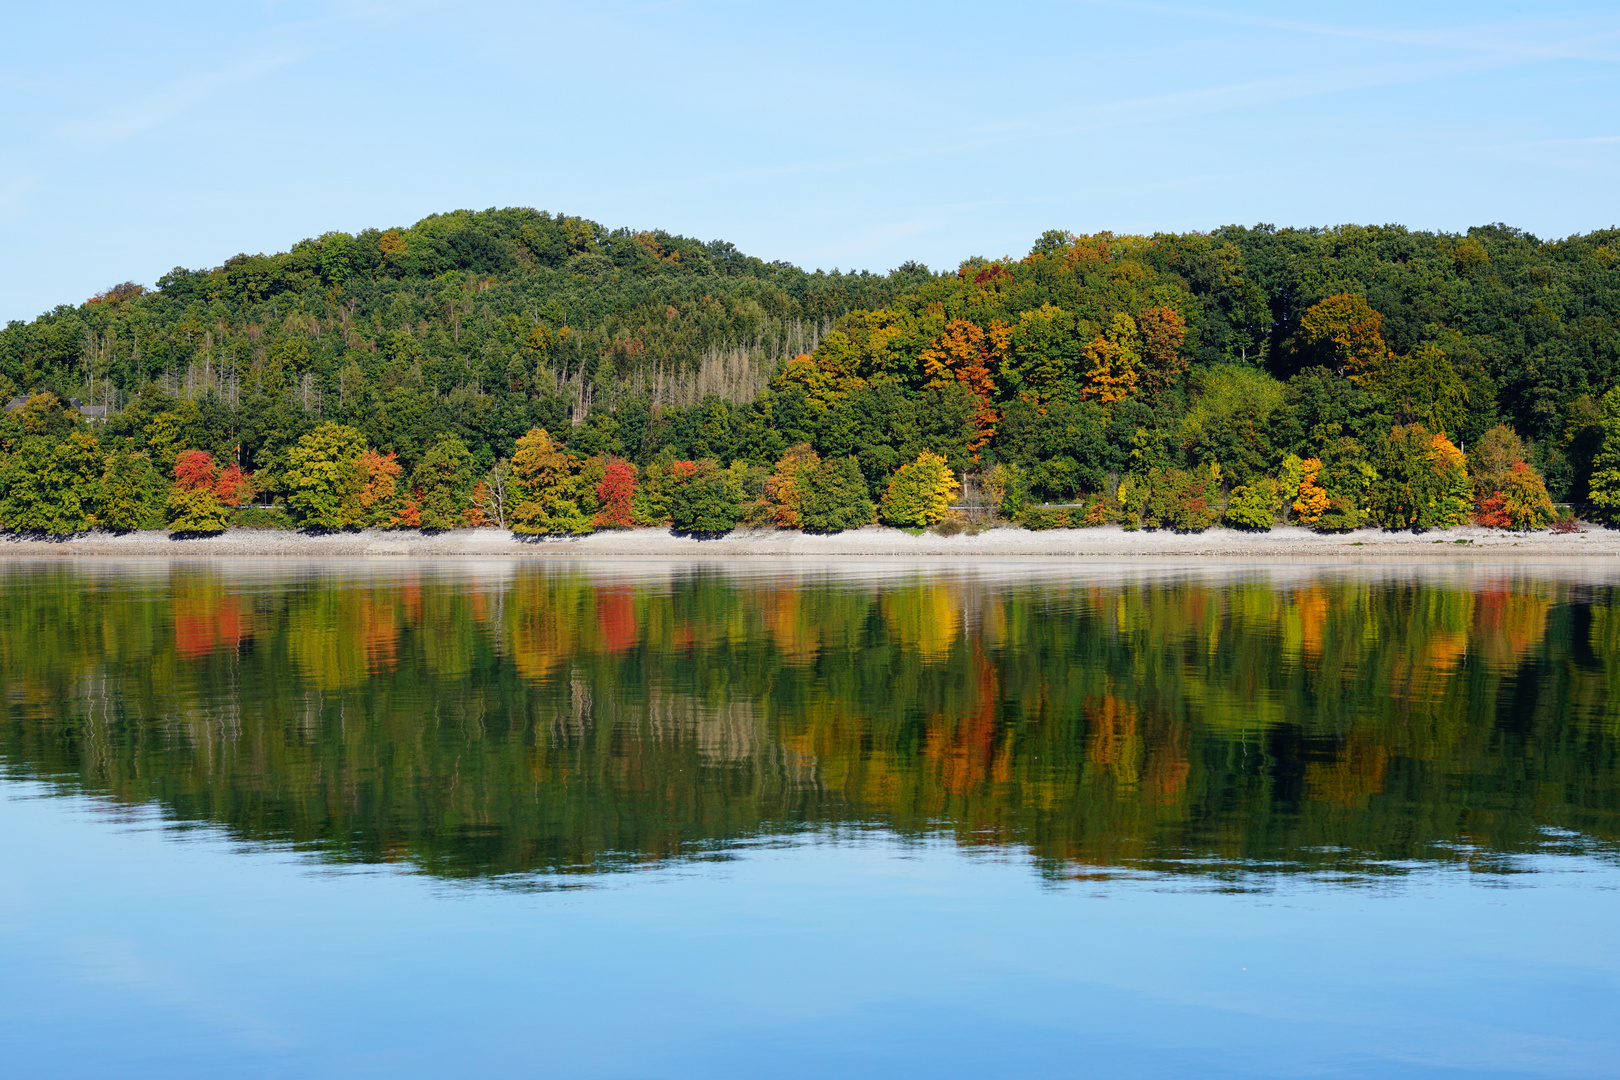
{"x": 493, "y": 494}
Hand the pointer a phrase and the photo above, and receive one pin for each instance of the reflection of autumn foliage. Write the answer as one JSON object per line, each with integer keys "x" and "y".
{"x": 792, "y": 628}
{"x": 923, "y": 618}
{"x": 965, "y": 751}
{"x": 559, "y": 719}
{"x": 206, "y": 618}
{"x": 616, "y": 618}
{"x": 1114, "y": 741}
{"x": 1509, "y": 622}
{"x": 1355, "y": 773}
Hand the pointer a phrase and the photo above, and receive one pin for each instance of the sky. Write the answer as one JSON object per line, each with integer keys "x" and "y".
{"x": 137, "y": 138}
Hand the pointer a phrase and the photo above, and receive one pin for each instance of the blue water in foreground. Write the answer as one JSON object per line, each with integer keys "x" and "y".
{"x": 126, "y": 953}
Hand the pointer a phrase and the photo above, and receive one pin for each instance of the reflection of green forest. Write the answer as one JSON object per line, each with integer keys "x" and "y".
{"x": 552, "y": 717}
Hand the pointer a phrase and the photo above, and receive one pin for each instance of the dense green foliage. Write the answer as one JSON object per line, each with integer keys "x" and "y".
{"x": 1088, "y": 362}
{"x": 559, "y": 720}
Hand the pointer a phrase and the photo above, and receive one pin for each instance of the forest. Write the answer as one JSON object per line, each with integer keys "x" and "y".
{"x": 538, "y": 372}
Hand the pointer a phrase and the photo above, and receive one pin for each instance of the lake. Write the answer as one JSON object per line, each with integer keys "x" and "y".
{"x": 771, "y": 818}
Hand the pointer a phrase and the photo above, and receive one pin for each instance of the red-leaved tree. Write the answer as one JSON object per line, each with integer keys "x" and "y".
{"x": 614, "y": 492}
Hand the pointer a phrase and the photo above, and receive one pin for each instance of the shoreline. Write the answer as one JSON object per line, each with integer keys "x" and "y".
{"x": 1108, "y": 541}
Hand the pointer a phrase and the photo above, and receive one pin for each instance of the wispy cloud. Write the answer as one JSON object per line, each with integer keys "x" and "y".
{"x": 1152, "y": 109}
{"x": 154, "y": 108}
{"x": 1534, "y": 39}
{"x": 1560, "y": 39}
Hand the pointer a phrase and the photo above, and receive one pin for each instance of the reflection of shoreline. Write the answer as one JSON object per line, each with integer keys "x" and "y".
{"x": 1110, "y": 542}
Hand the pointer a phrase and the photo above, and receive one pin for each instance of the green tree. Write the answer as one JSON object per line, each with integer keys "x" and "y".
{"x": 443, "y": 482}
{"x": 320, "y": 478}
{"x": 52, "y": 485}
{"x": 1254, "y": 506}
{"x": 1605, "y": 482}
{"x": 1183, "y": 500}
{"x": 1422, "y": 481}
{"x": 834, "y": 497}
{"x": 786, "y": 487}
{"x": 1525, "y": 499}
{"x": 654, "y": 498}
{"x": 705, "y": 502}
{"x": 133, "y": 491}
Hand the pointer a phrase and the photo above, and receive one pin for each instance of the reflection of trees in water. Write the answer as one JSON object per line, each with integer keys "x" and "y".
{"x": 548, "y": 718}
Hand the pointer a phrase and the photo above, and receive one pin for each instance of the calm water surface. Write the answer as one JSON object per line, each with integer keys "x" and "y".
{"x": 755, "y": 819}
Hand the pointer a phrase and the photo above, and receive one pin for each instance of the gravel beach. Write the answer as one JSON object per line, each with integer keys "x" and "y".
{"x": 1104, "y": 542}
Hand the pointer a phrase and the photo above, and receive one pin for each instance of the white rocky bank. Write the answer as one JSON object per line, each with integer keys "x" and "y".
{"x": 1105, "y": 542}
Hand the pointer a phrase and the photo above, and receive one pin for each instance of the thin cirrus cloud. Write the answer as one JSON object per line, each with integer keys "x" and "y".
{"x": 169, "y": 101}
{"x": 1576, "y": 39}
{"x": 1149, "y": 109}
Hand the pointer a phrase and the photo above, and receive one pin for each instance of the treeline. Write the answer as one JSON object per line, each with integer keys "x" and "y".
{"x": 1337, "y": 377}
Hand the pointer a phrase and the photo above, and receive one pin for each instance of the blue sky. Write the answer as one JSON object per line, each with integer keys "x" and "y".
{"x": 134, "y": 138}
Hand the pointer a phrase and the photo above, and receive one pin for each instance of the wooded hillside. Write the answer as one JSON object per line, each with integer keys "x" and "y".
{"x": 1224, "y": 360}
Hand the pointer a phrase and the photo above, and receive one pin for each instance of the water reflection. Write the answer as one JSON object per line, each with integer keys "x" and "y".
{"x": 487, "y": 719}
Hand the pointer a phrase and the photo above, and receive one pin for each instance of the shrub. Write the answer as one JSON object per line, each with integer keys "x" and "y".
{"x": 261, "y": 517}
{"x": 1525, "y": 500}
{"x": 1181, "y": 499}
{"x": 919, "y": 493}
{"x": 1491, "y": 512}
{"x": 1254, "y": 506}
{"x": 1341, "y": 515}
{"x": 1040, "y": 518}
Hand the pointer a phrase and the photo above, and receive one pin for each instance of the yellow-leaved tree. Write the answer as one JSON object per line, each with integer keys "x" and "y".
{"x": 919, "y": 493}
{"x": 1115, "y": 356}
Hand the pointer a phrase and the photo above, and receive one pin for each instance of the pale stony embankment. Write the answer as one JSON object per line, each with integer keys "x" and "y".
{"x": 1105, "y": 542}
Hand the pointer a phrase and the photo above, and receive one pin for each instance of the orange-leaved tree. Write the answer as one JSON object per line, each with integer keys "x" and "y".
{"x": 235, "y": 486}
{"x": 373, "y": 498}
{"x": 785, "y": 488}
{"x": 1346, "y": 332}
{"x": 1162, "y": 366}
{"x": 1312, "y": 502}
{"x": 194, "y": 505}
{"x": 965, "y": 354}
